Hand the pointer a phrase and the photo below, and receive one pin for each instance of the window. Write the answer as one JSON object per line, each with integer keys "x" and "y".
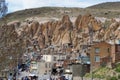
{"x": 118, "y": 48}
{"x": 45, "y": 65}
{"x": 49, "y": 70}
{"x": 63, "y": 57}
{"x": 45, "y": 72}
{"x": 97, "y": 50}
{"x": 118, "y": 41}
{"x": 46, "y": 57}
{"x": 55, "y": 58}
{"x": 97, "y": 58}
{"x": 49, "y": 65}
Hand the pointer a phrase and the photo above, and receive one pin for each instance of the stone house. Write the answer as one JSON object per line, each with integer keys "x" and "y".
{"x": 49, "y": 61}
{"x": 44, "y": 68}
{"x": 34, "y": 67}
{"x": 100, "y": 54}
{"x": 79, "y": 69}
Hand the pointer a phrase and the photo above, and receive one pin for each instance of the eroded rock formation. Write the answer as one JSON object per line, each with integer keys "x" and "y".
{"x": 84, "y": 30}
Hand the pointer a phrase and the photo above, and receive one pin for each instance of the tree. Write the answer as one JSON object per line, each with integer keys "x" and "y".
{"x": 3, "y": 8}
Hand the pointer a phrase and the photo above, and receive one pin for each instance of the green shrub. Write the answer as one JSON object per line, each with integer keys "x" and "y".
{"x": 98, "y": 76}
{"x": 88, "y": 75}
{"x": 119, "y": 76}
{"x": 117, "y": 69}
{"x": 113, "y": 78}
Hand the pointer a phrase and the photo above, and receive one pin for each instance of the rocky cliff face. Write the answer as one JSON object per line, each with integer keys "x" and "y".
{"x": 85, "y": 29}
{"x": 61, "y": 32}
{"x": 10, "y": 45}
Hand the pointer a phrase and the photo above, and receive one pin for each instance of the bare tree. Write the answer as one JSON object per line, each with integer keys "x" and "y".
{"x": 3, "y": 8}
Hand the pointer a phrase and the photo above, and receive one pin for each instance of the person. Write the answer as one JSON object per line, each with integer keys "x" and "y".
{"x": 14, "y": 76}
{"x": 50, "y": 78}
{"x": 10, "y": 77}
{"x": 2, "y": 79}
{"x": 26, "y": 78}
{"x": 22, "y": 78}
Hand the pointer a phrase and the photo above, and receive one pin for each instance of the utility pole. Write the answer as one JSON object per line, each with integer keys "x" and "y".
{"x": 82, "y": 68}
{"x": 91, "y": 41}
{"x": 16, "y": 67}
{"x": 91, "y": 72}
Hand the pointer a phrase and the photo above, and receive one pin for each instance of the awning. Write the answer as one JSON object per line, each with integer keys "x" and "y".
{"x": 31, "y": 74}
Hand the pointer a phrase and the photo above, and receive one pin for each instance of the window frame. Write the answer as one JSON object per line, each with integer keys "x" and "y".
{"x": 97, "y": 50}
{"x": 97, "y": 58}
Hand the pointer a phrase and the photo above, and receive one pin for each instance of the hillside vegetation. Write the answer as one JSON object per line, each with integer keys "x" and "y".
{"x": 106, "y": 73}
{"x": 100, "y": 10}
{"x": 107, "y": 5}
